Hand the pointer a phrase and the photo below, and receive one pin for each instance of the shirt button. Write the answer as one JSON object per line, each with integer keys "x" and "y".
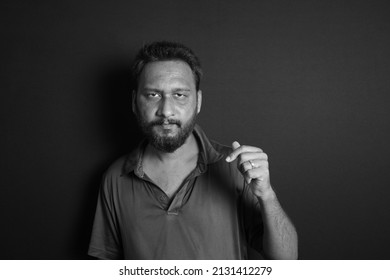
{"x": 162, "y": 198}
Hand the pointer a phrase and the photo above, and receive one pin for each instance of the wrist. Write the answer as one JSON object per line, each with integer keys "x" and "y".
{"x": 266, "y": 195}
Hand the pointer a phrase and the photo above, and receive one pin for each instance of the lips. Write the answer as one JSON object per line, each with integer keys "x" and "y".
{"x": 166, "y": 123}
{"x": 168, "y": 126}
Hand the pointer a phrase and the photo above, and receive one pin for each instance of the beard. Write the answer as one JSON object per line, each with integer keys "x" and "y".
{"x": 163, "y": 140}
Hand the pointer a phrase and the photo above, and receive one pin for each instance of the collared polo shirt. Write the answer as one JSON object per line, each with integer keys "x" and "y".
{"x": 213, "y": 215}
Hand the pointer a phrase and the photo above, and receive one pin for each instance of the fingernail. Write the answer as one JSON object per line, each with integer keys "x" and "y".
{"x": 228, "y": 159}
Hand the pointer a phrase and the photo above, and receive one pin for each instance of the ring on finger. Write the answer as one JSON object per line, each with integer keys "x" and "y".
{"x": 252, "y": 164}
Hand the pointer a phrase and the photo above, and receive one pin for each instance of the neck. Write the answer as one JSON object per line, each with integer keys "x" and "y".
{"x": 188, "y": 150}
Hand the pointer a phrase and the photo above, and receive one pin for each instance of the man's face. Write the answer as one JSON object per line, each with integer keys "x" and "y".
{"x": 166, "y": 103}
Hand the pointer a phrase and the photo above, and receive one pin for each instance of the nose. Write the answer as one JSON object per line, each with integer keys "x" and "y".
{"x": 166, "y": 107}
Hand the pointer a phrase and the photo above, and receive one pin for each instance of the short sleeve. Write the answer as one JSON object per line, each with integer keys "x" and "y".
{"x": 105, "y": 238}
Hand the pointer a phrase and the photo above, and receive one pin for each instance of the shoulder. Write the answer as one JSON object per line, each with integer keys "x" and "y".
{"x": 115, "y": 181}
{"x": 114, "y": 175}
{"x": 117, "y": 167}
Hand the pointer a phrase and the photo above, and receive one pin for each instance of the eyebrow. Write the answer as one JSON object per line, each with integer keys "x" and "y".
{"x": 181, "y": 89}
{"x": 159, "y": 91}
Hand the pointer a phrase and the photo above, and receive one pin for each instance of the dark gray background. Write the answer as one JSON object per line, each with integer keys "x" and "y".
{"x": 307, "y": 81}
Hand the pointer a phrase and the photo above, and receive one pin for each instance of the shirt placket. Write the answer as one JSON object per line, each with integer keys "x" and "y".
{"x": 178, "y": 199}
{"x": 172, "y": 207}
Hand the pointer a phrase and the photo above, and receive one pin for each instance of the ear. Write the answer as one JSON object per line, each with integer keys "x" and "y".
{"x": 133, "y": 101}
{"x": 199, "y": 99}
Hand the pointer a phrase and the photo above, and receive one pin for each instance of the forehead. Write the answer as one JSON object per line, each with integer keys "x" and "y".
{"x": 167, "y": 71}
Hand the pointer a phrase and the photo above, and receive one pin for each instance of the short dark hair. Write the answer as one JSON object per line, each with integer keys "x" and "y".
{"x": 165, "y": 51}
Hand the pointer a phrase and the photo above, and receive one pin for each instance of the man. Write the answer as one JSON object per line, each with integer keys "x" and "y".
{"x": 180, "y": 195}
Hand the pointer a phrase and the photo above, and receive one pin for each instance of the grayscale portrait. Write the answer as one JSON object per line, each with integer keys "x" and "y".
{"x": 195, "y": 130}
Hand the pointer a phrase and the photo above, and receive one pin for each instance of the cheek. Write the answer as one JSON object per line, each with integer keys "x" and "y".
{"x": 147, "y": 115}
{"x": 145, "y": 109}
{"x": 192, "y": 108}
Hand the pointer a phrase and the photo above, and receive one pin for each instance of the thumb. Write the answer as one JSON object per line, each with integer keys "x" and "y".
{"x": 232, "y": 156}
{"x": 235, "y": 145}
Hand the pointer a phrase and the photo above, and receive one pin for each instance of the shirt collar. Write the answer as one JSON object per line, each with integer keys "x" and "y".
{"x": 207, "y": 154}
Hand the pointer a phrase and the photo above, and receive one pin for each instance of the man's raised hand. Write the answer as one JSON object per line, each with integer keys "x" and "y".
{"x": 253, "y": 164}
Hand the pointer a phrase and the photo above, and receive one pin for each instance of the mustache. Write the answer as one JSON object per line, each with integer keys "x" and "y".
{"x": 165, "y": 121}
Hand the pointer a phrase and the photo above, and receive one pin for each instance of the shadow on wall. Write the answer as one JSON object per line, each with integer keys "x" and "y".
{"x": 119, "y": 133}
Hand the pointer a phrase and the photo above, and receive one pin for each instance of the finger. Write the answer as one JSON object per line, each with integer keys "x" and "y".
{"x": 253, "y": 164}
{"x": 240, "y": 149}
{"x": 246, "y": 166}
{"x": 256, "y": 174}
{"x": 251, "y": 157}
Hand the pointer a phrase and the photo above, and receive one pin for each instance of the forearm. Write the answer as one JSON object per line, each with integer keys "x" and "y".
{"x": 280, "y": 239}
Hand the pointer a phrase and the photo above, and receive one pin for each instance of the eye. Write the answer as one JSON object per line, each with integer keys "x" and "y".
{"x": 180, "y": 95}
{"x": 153, "y": 95}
